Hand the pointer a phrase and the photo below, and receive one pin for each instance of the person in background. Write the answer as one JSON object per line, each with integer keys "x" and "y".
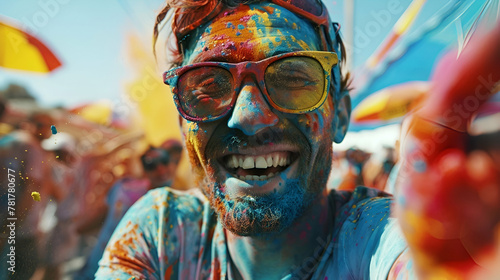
{"x": 353, "y": 177}
{"x": 377, "y": 169}
{"x": 61, "y": 241}
{"x": 4, "y": 128}
{"x": 160, "y": 165}
{"x": 21, "y": 151}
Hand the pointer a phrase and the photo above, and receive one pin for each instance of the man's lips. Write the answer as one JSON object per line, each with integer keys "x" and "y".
{"x": 259, "y": 167}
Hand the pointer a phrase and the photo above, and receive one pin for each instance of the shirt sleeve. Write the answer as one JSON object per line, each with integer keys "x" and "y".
{"x": 162, "y": 236}
{"x": 131, "y": 252}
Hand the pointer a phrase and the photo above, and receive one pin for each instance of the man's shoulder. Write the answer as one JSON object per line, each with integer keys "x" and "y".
{"x": 168, "y": 194}
{"x": 166, "y": 201}
{"x": 359, "y": 194}
{"x": 365, "y": 237}
{"x": 164, "y": 231}
{"x": 359, "y": 201}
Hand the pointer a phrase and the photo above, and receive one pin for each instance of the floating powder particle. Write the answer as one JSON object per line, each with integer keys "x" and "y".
{"x": 53, "y": 128}
{"x": 36, "y": 196}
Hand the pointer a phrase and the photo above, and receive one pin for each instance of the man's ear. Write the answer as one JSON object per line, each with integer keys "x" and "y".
{"x": 343, "y": 116}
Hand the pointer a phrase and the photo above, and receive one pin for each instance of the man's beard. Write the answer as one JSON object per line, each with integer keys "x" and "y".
{"x": 260, "y": 215}
{"x": 272, "y": 213}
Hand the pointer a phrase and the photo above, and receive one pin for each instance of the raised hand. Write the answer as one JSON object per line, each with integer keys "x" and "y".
{"x": 448, "y": 198}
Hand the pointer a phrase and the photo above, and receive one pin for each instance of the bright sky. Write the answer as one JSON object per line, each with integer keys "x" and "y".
{"x": 88, "y": 37}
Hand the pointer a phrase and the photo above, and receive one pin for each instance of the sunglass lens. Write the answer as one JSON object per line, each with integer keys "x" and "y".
{"x": 149, "y": 166}
{"x": 295, "y": 83}
{"x": 205, "y": 91}
{"x": 165, "y": 159}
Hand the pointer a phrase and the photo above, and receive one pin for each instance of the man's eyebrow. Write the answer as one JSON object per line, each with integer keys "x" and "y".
{"x": 212, "y": 59}
{"x": 279, "y": 51}
{"x": 227, "y": 58}
{"x": 219, "y": 59}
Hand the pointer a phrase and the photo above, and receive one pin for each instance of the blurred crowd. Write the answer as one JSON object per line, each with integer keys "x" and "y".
{"x": 357, "y": 167}
{"x": 88, "y": 174}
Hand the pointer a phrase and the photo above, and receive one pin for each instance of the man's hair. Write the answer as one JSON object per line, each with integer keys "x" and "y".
{"x": 189, "y": 10}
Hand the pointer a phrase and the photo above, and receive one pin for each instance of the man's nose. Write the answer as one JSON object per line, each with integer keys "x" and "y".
{"x": 251, "y": 113}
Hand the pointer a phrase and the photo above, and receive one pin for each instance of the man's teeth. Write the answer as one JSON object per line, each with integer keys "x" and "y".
{"x": 262, "y": 162}
{"x": 256, "y": 178}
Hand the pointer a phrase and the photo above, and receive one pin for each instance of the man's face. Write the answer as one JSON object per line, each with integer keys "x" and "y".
{"x": 160, "y": 166}
{"x": 291, "y": 152}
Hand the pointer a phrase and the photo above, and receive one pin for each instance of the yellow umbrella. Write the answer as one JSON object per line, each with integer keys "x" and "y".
{"x": 391, "y": 102}
{"x": 160, "y": 120}
{"x": 152, "y": 96}
{"x": 98, "y": 112}
{"x": 20, "y": 50}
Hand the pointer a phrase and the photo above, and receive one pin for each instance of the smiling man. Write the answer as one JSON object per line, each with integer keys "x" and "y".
{"x": 263, "y": 162}
{"x": 261, "y": 98}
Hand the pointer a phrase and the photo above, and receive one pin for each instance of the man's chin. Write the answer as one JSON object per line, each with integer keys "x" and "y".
{"x": 262, "y": 215}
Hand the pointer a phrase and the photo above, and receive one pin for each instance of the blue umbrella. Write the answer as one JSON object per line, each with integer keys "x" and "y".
{"x": 413, "y": 58}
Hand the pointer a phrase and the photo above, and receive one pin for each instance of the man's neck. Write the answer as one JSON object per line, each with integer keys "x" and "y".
{"x": 298, "y": 249}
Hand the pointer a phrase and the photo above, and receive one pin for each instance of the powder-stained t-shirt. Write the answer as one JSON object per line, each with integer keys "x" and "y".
{"x": 172, "y": 235}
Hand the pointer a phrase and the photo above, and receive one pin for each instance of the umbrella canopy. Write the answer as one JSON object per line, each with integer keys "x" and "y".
{"x": 99, "y": 112}
{"x": 20, "y": 50}
{"x": 390, "y": 103}
{"x": 413, "y": 56}
{"x": 103, "y": 113}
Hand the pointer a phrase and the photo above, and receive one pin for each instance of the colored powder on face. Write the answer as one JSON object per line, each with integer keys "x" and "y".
{"x": 269, "y": 214}
{"x": 252, "y": 23}
{"x": 270, "y": 45}
{"x": 245, "y": 18}
{"x": 231, "y": 46}
{"x": 220, "y": 37}
{"x": 266, "y": 9}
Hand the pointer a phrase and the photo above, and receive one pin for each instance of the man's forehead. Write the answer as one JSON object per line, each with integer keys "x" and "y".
{"x": 251, "y": 32}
